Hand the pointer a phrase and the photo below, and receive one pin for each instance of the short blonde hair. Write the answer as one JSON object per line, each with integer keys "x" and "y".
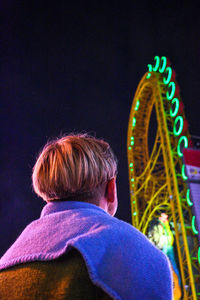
{"x": 73, "y": 166}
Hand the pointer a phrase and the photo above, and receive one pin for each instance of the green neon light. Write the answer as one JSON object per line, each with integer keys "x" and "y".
{"x": 169, "y": 75}
{"x": 134, "y": 122}
{"x": 176, "y": 108}
{"x": 184, "y": 176}
{"x": 185, "y": 140}
{"x": 189, "y": 202}
{"x": 171, "y": 94}
{"x": 157, "y": 59}
{"x": 134, "y": 213}
{"x": 180, "y": 128}
{"x": 131, "y": 165}
{"x": 129, "y": 148}
{"x": 131, "y": 170}
{"x": 193, "y": 226}
{"x": 163, "y": 60}
{"x": 150, "y": 70}
{"x": 132, "y": 141}
{"x": 137, "y": 104}
{"x": 199, "y": 255}
{"x": 132, "y": 179}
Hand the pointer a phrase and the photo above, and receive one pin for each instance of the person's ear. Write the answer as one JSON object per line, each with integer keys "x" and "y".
{"x": 111, "y": 197}
{"x": 111, "y": 190}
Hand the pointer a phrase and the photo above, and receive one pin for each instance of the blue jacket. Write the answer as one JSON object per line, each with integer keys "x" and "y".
{"x": 118, "y": 257}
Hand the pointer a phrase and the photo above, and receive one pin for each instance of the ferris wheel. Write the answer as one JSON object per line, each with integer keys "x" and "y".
{"x": 160, "y": 197}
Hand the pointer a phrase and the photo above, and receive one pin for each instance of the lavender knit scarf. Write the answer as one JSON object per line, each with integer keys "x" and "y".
{"x": 119, "y": 258}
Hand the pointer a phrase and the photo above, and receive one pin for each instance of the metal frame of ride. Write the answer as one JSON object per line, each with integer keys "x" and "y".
{"x": 158, "y": 181}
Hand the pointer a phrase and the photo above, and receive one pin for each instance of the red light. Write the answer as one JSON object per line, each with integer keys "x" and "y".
{"x": 185, "y": 125}
{"x": 168, "y": 62}
{"x": 173, "y": 75}
{"x": 177, "y": 91}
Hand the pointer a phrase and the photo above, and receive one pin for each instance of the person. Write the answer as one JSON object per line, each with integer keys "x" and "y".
{"x": 161, "y": 235}
{"x": 77, "y": 249}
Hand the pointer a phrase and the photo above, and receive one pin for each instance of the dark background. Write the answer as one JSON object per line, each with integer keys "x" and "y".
{"x": 75, "y": 67}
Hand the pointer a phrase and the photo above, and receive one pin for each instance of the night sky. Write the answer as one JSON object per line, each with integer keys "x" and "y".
{"x": 76, "y": 67}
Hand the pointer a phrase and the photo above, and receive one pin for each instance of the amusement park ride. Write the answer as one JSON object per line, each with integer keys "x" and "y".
{"x": 164, "y": 205}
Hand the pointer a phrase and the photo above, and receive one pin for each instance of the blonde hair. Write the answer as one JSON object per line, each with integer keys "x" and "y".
{"x": 73, "y": 166}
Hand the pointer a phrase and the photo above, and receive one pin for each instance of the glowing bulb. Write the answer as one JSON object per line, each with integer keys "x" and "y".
{"x": 150, "y": 70}
{"x": 170, "y": 94}
{"x": 189, "y": 202}
{"x": 163, "y": 61}
{"x": 132, "y": 140}
{"x": 157, "y": 59}
{"x": 169, "y": 75}
{"x": 193, "y": 226}
{"x": 137, "y": 104}
{"x": 177, "y": 131}
{"x": 174, "y": 112}
{"x": 183, "y": 139}
{"x": 134, "y": 122}
{"x": 184, "y": 176}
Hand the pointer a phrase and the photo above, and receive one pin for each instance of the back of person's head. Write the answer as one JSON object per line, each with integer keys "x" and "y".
{"x": 73, "y": 167}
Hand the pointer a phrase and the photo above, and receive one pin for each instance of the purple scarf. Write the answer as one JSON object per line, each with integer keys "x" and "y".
{"x": 118, "y": 257}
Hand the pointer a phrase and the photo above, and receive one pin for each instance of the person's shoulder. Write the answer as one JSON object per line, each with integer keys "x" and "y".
{"x": 126, "y": 229}
{"x": 136, "y": 256}
{"x": 134, "y": 239}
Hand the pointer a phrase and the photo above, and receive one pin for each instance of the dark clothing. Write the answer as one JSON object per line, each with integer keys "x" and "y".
{"x": 64, "y": 278}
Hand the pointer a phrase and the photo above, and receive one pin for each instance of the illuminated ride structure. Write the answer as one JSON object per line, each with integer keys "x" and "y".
{"x": 158, "y": 180}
